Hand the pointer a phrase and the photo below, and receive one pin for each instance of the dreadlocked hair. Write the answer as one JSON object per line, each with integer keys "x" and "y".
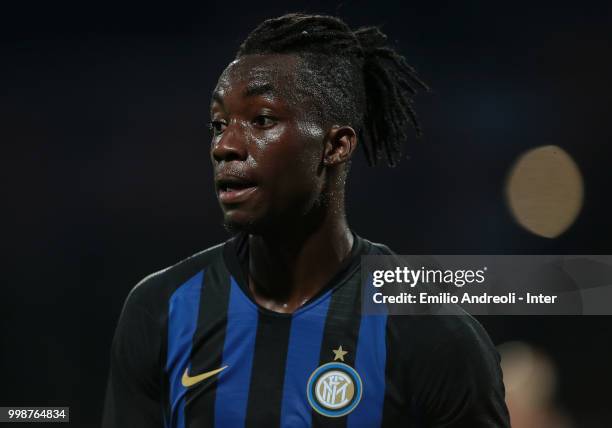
{"x": 354, "y": 76}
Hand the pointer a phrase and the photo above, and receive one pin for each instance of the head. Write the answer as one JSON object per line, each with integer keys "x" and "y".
{"x": 288, "y": 113}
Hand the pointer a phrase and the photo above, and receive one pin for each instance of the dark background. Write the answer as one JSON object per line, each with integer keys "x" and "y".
{"x": 106, "y": 176}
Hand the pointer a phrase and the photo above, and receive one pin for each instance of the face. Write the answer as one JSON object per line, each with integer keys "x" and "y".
{"x": 267, "y": 150}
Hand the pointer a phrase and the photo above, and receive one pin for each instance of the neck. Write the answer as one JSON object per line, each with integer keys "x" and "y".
{"x": 292, "y": 265}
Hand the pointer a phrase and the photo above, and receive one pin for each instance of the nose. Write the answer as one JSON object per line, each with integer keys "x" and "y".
{"x": 230, "y": 145}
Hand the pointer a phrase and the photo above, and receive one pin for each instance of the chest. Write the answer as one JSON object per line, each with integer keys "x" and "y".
{"x": 242, "y": 367}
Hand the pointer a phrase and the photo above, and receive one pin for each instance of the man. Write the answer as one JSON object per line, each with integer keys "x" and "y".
{"x": 266, "y": 329}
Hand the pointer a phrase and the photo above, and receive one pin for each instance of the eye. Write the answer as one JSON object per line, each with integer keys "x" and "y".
{"x": 217, "y": 126}
{"x": 264, "y": 121}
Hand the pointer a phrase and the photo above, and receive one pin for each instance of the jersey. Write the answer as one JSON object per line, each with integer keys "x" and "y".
{"x": 193, "y": 349}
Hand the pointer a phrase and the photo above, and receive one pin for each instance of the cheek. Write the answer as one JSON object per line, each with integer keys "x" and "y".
{"x": 290, "y": 160}
{"x": 312, "y": 136}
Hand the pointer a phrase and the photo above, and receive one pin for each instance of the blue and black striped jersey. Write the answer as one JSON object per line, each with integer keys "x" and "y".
{"x": 193, "y": 349}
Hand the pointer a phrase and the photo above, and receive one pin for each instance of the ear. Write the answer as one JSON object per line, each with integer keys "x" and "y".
{"x": 340, "y": 145}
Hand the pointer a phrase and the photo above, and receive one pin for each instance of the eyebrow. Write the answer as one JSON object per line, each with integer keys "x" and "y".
{"x": 216, "y": 97}
{"x": 258, "y": 89}
{"x": 250, "y": 91}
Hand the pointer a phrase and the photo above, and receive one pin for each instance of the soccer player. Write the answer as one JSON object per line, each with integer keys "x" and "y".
{"x": 266, "y": 329}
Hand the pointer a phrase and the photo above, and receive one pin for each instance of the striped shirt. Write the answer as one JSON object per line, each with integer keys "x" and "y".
{"x": 193, "y": 349}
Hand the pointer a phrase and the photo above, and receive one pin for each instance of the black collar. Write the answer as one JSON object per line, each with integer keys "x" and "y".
{"x": 236, "y": 257}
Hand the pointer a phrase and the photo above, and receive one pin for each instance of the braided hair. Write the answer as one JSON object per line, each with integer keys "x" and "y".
{"x": 354, "y": 76}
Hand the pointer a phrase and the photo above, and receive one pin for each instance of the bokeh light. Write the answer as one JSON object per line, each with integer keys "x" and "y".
{"x": 545, "y": 191}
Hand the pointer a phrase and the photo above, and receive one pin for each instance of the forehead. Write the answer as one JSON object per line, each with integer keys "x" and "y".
{"x": 273, "y": 73}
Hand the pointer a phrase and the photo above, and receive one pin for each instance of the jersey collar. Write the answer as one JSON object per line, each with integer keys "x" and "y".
{"x": 236, "y": 257}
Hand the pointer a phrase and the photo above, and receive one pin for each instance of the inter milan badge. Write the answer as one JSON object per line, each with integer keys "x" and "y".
{"x": 334, "y": 389}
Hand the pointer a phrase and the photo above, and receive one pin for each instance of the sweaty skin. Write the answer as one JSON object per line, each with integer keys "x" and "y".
{"x": 280, "y": 175}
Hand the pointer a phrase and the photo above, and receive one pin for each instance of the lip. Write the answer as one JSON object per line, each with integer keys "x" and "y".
{"x": 235, "y": 196}
{"x": 234, "y": 187}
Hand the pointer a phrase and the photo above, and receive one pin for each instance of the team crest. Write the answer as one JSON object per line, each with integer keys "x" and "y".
{"x": 334, "y": 389}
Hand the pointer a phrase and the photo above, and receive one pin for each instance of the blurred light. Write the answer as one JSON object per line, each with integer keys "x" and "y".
{"x": 530, "y": 379}
{"x": 545, "y": 190}
{"x": 528, "y": 375}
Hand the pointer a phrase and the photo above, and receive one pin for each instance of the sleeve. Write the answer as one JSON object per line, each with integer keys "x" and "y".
{"x": 133, "y": 395}
{"x": 462, "y": 385}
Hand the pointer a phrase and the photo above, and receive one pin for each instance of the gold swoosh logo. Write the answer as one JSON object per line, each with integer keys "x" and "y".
{"x": 188, "y": 381}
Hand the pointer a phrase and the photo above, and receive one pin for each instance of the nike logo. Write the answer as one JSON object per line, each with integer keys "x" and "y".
{"x": 188, "y": 381}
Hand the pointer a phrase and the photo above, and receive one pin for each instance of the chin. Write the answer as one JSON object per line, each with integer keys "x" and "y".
{"x": 234, "y": 223}
{"x": 235, "y": 227}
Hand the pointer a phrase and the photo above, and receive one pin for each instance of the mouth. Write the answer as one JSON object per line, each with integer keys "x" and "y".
{"x": 232, "y": 190}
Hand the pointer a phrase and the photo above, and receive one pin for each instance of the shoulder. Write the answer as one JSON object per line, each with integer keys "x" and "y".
{"x": 451, "y": 368}
{"x": 377, "y": 249}
{"x": 452, "y": 347}
{"x": 459, "y": 335}
{"x": 153, "y": 292}
{"x": 453, "y": 371}
{"x": 416, "y": 261}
